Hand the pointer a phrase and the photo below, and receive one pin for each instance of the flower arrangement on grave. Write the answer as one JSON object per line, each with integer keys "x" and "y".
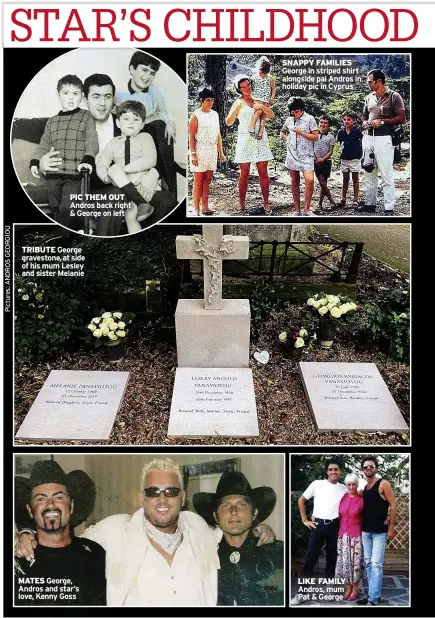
{"x": 294, "y": 337}
{"x": 331, "y": 306}
{"x": 330, "y": 309}
{"x": 109, "y": 328}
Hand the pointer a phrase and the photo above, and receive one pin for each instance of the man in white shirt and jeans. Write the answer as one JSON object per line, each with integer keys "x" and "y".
{"x": 327, "y": 494}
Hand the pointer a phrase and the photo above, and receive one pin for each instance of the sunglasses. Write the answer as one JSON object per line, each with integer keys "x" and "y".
{"x": 154, "y": 492}
{"x": 371, "y": 467}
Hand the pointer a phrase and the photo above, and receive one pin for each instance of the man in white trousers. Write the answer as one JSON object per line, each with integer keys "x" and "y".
{"x": 384, "y": 109}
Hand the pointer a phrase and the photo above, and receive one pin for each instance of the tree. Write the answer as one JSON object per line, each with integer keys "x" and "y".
{"x": 308, "y": 468}
{"x": 215, "y": 76}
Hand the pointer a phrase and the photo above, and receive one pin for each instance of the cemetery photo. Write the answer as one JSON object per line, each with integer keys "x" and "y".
{"x": 103, "y": 524}
{"x": 350, "y": 530}
{"x": 299, "y": 134}
{"x": 213, "y": 334}
{"x": 98, "y": 140}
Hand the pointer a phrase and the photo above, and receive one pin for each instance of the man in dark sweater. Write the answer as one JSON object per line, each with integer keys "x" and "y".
{"x": 377, "y": 527}
{"x": 65, "y": 570}
{"x": 249, "y": 574}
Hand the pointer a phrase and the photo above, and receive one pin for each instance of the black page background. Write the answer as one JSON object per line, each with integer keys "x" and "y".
{"x": 20, "y": 66}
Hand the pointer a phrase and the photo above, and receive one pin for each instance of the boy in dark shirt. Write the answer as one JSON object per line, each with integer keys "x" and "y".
{"x": 350, "y": 139}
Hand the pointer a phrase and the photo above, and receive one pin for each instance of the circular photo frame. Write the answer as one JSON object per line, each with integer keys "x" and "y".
{"x": 98, "y": 141}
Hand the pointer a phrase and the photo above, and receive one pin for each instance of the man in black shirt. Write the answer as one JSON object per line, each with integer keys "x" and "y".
{"x": 249, "y": 574}
{"x": 377, "y": 528}
{"x": 65, "y": 570}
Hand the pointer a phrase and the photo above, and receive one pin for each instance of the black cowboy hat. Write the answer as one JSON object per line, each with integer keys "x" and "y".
{"x": 79, "y": 485}
{"x": 235, "y": 483}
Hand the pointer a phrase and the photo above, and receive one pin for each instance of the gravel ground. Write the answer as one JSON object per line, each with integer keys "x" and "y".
{"x": 224, "y": 194}
{"x": 283, "y": 413}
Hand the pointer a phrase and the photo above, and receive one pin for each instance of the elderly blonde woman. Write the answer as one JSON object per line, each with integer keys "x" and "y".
{"x": 349, "y": 549}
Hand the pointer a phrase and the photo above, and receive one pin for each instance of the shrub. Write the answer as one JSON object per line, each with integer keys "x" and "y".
{"x": 44, "y": 320}
{"x": 388, "y": 324}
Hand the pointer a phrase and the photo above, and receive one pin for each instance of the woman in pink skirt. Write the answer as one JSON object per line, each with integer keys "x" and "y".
{"x": 350, "y": 561}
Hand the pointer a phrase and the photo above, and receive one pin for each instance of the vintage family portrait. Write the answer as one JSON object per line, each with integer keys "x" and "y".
{"x": 97, "y": 140}
{"x": 299, "y": 135}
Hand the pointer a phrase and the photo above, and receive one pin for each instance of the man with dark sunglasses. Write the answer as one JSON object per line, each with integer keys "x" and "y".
{"x": 377, "y": 528}
{"x": 160, "y": 555}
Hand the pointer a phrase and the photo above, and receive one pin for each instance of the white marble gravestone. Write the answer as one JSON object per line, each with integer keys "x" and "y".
{"x": 75, "y": 405}
{"x": 214, "y": 390}
{"x": 350, "y": 396}
{"x": 213, "y": 402}
{"x": 213, "y": 332}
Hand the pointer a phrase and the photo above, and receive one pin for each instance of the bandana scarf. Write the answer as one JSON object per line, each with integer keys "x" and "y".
{"x": 168, "y": 542}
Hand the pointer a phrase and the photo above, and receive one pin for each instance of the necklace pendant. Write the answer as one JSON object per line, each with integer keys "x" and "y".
{"x": 235, "y": 557}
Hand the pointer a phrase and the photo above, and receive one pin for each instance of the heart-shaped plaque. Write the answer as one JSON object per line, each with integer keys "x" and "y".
{"x": 262, "y": 357}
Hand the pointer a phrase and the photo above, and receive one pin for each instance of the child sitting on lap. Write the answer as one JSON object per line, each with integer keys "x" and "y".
{"x": 128, "y": 161}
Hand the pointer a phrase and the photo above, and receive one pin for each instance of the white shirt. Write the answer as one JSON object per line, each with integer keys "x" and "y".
{"x": 326, "y": 496}
{"x": 160, "y": 584}
{"x": 104, "y": 132}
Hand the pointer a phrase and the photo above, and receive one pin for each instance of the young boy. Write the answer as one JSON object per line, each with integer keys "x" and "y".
{"x": 263, "y": 91}
{"x": 128, "y": 161}
{"x": 72, "y": 132}
{"x": 301, "y": 132}
{"x": 350, "y": 138}
{"x": 143, "y": 69}
{"x": 323, "y": 149}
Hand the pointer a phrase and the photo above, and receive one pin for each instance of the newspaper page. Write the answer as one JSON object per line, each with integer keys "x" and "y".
{"x": 207, "y": 326}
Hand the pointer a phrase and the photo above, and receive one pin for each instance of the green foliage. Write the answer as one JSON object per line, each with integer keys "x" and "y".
{"x": 45, "y": 319}
{"x": 308, "y": 468}
{"x": 388, "y": 323}
{"x": 331, "y": 103}
{"x": 300, "y": 534}
{"x": 262, "y": 302}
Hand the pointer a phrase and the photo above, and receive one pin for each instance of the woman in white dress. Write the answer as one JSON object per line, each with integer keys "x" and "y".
{"x": 248, "y": 149}
{"x": 205, "y": 142}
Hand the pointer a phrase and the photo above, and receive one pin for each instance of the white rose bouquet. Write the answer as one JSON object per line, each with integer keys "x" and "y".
{"x": 331, "y": 306}
{"x": 109, "y": 328}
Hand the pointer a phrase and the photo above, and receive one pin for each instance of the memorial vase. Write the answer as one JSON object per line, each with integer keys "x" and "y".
{"x": 115, "y": 351}
{"x": 326, "y": 333}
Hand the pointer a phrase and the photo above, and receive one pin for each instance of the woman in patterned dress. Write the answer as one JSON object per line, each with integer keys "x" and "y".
{"x": 249, "y": 150}
{"x": 350, "y": 558}
{"x": 205, "y": 143}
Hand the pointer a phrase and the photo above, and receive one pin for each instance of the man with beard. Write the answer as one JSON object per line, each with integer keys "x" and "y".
{"x": 160, "y": 555}
{"x": 377, "y": 528}
{"x": 249, "y": 574}
{"x": 55, "y": 503}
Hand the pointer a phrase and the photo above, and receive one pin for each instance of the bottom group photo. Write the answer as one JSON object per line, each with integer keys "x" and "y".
{"x": 149, "y": 530}
{"x": 350, "y": 530}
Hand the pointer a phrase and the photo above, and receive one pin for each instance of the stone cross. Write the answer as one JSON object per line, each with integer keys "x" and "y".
{"x": 212, "y": 247}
